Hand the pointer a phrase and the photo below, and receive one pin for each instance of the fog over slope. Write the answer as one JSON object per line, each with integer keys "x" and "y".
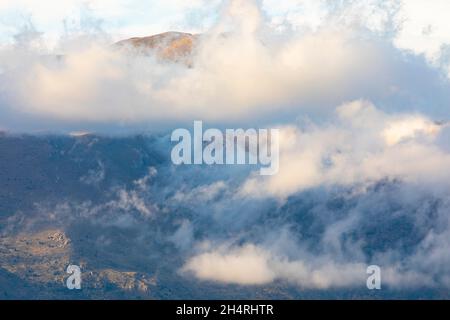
{"x": 364, "y": 163}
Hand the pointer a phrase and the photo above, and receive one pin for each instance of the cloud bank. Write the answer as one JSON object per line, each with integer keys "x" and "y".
{"x": 364, "y": 158}
{"x": 244, "y": 71}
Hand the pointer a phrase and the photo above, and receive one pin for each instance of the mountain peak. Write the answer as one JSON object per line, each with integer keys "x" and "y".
{"x": 170, "y": 46}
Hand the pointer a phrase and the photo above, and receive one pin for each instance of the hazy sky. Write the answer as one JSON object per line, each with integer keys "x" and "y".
{"x": 424, "y": 24}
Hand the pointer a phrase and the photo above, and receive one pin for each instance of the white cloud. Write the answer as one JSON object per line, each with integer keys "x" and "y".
{"x": 241, "y": 76}
{"x": 424, "y": 27}
{"x": 362, "y": 146}
{"x": 247, "y": 265}
{"x": 120, "y": 18}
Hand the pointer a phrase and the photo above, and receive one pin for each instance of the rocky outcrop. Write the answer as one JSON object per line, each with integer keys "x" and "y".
{"x": 168, "y": 46}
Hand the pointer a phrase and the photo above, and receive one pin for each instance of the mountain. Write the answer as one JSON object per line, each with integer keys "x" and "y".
{"x": 116, "y": 207}
{"x": 170, "y": 46}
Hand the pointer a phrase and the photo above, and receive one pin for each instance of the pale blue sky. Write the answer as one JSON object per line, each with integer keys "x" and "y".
{"x": 425, "y": 24}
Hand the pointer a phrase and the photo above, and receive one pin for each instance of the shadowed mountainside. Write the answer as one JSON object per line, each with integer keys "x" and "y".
{"x": 93, "y": 201}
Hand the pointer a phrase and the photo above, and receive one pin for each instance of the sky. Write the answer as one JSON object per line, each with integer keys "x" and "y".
{"x": 424, "y": 27}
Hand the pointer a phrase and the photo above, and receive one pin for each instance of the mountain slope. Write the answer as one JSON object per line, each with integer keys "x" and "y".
{"x": 169, "y": 46}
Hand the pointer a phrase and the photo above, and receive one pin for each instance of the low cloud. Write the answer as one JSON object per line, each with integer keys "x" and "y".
{"x": 253, "y": 265}
{"x": 361, "y": 145}
{"x": 243, "y": 70}
{"x": 247, "y": 266}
